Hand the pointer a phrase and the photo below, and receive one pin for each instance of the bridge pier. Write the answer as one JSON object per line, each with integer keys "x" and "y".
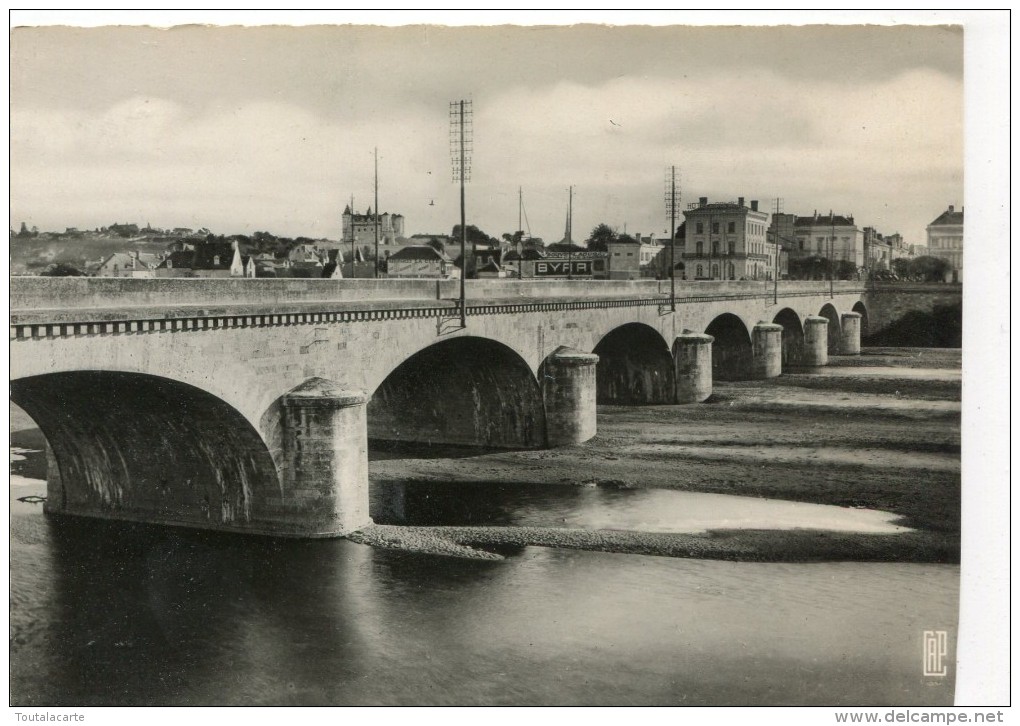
{"x": 816, "y": 342}
{"x": 692, "y": 367}
{"x": 850, "y": 342}
{"x": 766, "y": 350}
{"x": 325, "y": 465}
{"x": 569, "y": 393}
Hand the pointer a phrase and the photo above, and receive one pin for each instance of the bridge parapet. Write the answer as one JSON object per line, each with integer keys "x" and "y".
{"x": 36, "y": 300}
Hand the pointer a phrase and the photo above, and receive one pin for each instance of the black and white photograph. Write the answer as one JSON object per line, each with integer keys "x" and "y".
{"x": 558, "y": 360}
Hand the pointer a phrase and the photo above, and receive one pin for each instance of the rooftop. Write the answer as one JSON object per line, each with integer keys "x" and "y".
{"x": 950, "y": 216}
{"x": 829, "y": 219}
{"x": 419, "y": 252}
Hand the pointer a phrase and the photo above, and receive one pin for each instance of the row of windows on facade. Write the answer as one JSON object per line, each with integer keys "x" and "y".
{"x": 699, "y": 271}
{"x": 699, "y": 248}
{"x": 820, "y": 242}
{"x": 947, "y": 243}
{"x": 731, "y": 228}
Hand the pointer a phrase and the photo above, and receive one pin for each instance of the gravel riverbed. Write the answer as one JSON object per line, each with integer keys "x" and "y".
{"x": 889, "y": 442}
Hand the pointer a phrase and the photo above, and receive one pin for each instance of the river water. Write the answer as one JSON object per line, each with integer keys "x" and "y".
{"x": 108, "y": 614}
{"x": 114, "y": 614}
{"x": 642, "y": 510}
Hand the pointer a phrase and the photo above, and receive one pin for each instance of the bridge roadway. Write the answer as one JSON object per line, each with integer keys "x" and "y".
{"x": 247, "y": 405}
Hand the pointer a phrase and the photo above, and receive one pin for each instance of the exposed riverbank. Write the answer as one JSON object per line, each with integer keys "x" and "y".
{"x": 885, "y": 440}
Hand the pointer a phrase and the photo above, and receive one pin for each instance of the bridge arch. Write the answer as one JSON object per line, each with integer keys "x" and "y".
{"x": 229, "y": 381}
{"x": 829, "y": 313}
{"x": 859, "y": 307}
{"x": 147, "y": 448}
{"x": 731, "y": 350}
{"x": 467, "y": 390}
{"x": 793, "y": 336}
{"x": 635, "y": 366}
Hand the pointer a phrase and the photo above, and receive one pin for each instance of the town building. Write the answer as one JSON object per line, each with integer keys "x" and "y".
{"x": 242, "y": 265}
{"x": 212, "y": 259}
{"x": 307, "y": 253}
{"x": 176, "y": 264}
{"x": 831, "y": 236}
{"x": 633, "y": 258}
{"x": 419, "y": 261}
{"x": 359, "y": 229}
{"x": 492, "y": 269}
{"x": 945, "y": 240}
{"x": 898, "y": 246}
{"x": 878, "y": 253}
{"x": 522, "y": 264}
{"x": 129, "y": 264}
{"x": 783, "y": 229}
{"x": 727, "y": 241}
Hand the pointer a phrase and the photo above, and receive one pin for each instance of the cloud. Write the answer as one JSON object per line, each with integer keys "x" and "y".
{"x": 882, "y": 150}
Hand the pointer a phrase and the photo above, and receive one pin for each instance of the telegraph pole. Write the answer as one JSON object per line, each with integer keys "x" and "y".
{"x": 353, "y": 235}
{"x": 520, "y": 209}
{"x": 775, "y": 222}
{"x": 460, "y": 140}
{"x": 671, "y": 202}
{"x": 570, "y": 233}
{"x": 377, "y": 212}
{"x": 832, "y": 242}
{"x": 520, "y": 230}
{"x": 711, "y": 250}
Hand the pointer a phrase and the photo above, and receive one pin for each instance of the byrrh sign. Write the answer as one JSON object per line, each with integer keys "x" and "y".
{"x": 561, "y": 264}
{"x": 563, "y": 267}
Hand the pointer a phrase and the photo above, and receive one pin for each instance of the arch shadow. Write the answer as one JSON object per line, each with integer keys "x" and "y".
{"x": 731, "y": 351}
{"x": 859, "y": 307}
{"x": 467, "y": 391}
{"x": 635, "y": 367}
{"x": 829, "y": 313}
{"x": 145, "y": 448}
{"x": 793, "y": 337}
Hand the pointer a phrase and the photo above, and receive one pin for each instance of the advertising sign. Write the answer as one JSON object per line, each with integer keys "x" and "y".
{"x": 561, "y": 268}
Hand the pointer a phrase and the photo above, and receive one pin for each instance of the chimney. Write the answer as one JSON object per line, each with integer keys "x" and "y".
{"x": 950, "y": 207}
{"x": 702, "y": 201}
{"x": 740, "y": 201}
{"x": 754, "y": 205}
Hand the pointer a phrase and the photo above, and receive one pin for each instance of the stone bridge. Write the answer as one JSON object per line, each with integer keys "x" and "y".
{"x": 247, "y": 405}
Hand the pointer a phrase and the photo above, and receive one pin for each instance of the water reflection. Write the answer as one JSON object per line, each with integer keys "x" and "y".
{"x": 114, "y": 613}
{"x": 646, "y": 510}
{"x": 930, "y": 374}
{"x": 136, "y": 615}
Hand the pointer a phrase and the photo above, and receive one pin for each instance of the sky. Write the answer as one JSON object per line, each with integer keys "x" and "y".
{"x": 242, "y": 129}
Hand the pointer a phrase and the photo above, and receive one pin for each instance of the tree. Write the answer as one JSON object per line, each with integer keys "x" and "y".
{"x": 805, "y": 268}
{"x": 474, "y": 235}
{"x": 901, "y": 268}
{"x": 845, "y": 270}
{"x": 437, "y": 245}
{"x": 600, "y": 237}
{"x": 929, "y": 269}
{"x": 62, "y": 269}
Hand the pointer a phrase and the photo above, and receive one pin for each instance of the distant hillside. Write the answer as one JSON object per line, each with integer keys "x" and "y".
{"x": 33, "y": 254}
